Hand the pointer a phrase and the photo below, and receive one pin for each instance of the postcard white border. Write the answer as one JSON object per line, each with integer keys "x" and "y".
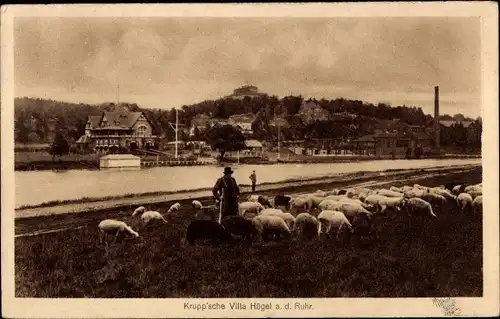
{"x": 340, "y": 307}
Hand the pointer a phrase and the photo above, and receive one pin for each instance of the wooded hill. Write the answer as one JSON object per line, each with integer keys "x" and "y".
{"x": 37, "y": 120}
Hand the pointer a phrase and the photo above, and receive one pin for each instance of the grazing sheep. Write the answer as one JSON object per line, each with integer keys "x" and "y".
{"x": 303, "y": 203}
{"x": 152, "y": 215}
{"x": 476, "y": 187}
{"x": 287, "y": 217}
{"x": 307, "y": 226}
{"x": 264, "y": 201}
{"x": 320, "y": 193}
{"x": 282, "y": 201}
{"x": 477, "y": 205}
{"x": 114, "y": 227}
{"x": 396, "y": 189}
{"x": 239, "y": 226}
{"x": 417, "y": 205}
{"x": 206, "y": 229}
{"x": 335, "y": 197}
{"x": 443, "y": 192}
{"x": 475, "y": 192}
{"x": 334, "y": 191}
{"x": 174, "y": 207}
{"x": 348, "y": 208}
{"x": 395, "y": 204}
{"x": 139, "y": 210}
{"x": 196, "y": 204}
{"x": 341, "y": 192}
{"x": 270, "y": 226}
{"x": 249, "y": 207}
{"x": 389, "y": 193}
{"x": 329, "y": 218}
{"x": 464, "y": 201}
{"x": 434, "y": 199}
{"x": 315, "y": 201}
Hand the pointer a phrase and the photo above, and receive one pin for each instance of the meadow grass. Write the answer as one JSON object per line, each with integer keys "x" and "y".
{"x": 408, "y": 258}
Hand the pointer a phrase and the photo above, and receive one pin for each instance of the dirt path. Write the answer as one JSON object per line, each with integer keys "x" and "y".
{"x": 42, "y": 224}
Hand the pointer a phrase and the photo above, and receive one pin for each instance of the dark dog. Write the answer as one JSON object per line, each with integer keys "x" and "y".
{"x": 264, "y": 201}
{"x": 239, "y": 226}
{"x": 282, "y": 200}
{"x": 206, "y": 229}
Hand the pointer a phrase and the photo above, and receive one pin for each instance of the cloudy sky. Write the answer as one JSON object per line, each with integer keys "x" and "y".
{"x": 168, "y": 62}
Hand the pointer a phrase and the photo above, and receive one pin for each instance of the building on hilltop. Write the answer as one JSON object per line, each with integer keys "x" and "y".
{"x": 118, "y": 129}
{"x": 246, "y": 90}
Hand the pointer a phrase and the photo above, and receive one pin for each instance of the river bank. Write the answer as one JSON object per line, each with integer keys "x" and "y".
{"x": 92, "y": 163}
{"x": 157, "y": 198}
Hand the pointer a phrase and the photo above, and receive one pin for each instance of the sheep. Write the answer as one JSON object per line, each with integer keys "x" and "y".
{"x": 477, "y": 205}
{"x": 174, "y": 207}
{"x": 114, "y": 227}
{"x": 152, "y": 215}
{"x": 362, "y": 224}
{"x": 443, "y": 192}
{"x": 287, "y": 217}
{"x": 308, "y": 226}
{"x": 271, "y": 226}
{"x": 418, "y": 205}
{"x": 434, "y": 199}
{"x": 464, "y": 201}
{"x": 475, "y": 192}
{"x": 320, "y": 193}
{"x": 304, "y": 203}
{"x": 249, "y": 207}
{"x": 329, "y": 218}
{"x": 396, "y": 189}
{"x": 196, "y": 204}
{"x": 348, "y": 208}
{"x": 314, "y": 200}
{"x": 239, "y": 226}
{"x": 335, "y": 197}
{"x": 419, "y": 187}
{"x": 383, "y": 203}
{"x": 473, "y": 187}
{"x": 206, "y": 229}
{"x": 260, "y": 199}
{"x": 139, "y": 210}
{"x": 389, "y": 193}
{"x": 334, "y": 191}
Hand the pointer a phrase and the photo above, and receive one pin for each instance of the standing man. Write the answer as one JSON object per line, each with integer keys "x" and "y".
{"x": 253, "y": 178}
{"x": 227, "y": 189}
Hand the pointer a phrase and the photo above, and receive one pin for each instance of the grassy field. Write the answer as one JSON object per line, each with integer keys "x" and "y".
{"x": 407, "y": 259}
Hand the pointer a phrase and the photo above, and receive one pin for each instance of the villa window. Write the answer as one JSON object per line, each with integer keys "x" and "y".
{"x": 141, "y": 130}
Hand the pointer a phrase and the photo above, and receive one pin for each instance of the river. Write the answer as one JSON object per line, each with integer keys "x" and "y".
{"x": 36, "y": 187}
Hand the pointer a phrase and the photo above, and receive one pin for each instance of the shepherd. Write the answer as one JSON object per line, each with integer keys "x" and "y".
{"x": 253, "y": 178}
{"x": 226, "y": 192}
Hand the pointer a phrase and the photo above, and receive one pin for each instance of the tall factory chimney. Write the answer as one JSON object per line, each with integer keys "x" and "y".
{"x": 436, "y": 117}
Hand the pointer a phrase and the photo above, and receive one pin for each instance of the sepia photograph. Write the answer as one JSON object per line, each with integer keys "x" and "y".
{"x": 232, "y": 159}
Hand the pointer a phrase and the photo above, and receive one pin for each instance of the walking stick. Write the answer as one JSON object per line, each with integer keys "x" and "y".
{"x": 220, "y": 207}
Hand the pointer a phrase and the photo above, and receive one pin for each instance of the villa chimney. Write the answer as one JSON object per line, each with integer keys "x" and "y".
{"x": 436, "y": 117}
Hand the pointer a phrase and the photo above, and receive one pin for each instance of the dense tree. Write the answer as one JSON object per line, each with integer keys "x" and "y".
{"x": 225, "y": 139}
{"x": 59, "y": 146}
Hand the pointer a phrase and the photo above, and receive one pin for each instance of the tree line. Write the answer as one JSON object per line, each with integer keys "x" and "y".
{"x": 39, "y": 120}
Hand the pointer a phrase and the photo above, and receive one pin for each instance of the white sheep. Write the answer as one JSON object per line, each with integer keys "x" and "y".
{"x": 320, "y": 193}
{"x": 249, "y": 207}
{"x": 418, "y": 205}
{"x": 464, "y": 201}
{"x": 270, "y": 224}
{"x": 443, "y": 192}
{"x": 114, "y": 227}
{"x": 329, "y": 218}
{"x": 196, "y": 204}
{"x": 174, "y": 207}
{"x": 304, "y": 203}
{"x": 287, "y": 217}
{"x": 456, "y": 189}
{"x": 389, "y": 193}
{"x": 477, "y": 205}
{"x": 383, "y": 203}
{"x": 396, "y": 189}
{"x": 152, "y": 215}
{"x": 473, "y": 187}
{"x": 475, "y": 192}
{"x": 305, "y": 222}
{"x": 314, "y": 200}
{"x": 335, "y": 197}
{"x": 139, "y": 210}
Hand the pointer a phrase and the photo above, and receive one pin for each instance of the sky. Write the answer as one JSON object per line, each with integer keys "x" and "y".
{"x": 168, "y": 62}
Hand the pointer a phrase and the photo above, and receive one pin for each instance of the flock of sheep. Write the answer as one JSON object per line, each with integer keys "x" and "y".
{"x": 313, "y": 214}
